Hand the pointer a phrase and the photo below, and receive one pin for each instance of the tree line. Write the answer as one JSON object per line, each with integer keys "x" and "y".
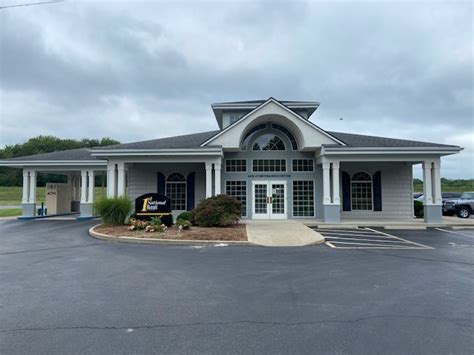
{"x": 43, "y": 144}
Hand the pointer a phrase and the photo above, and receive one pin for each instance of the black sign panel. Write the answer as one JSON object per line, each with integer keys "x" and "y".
{"x": 153, "y": 205}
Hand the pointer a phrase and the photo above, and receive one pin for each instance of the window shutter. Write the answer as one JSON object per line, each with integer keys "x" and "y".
{"x": 377, "y": 181}
{"x": 190, "y": 191}
{"x": 161, "y": 184}
{"x": 346, "y": 191}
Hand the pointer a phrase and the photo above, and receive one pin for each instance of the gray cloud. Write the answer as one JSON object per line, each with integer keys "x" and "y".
{"x": 90, "y": 69}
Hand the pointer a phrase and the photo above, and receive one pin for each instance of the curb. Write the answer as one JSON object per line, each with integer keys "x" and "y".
{"x": 124, "y": 239}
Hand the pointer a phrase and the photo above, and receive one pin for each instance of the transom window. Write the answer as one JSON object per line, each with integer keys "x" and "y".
{"x": 303, "y": 165}
{"x": 268, "y": 142}
{"x": 303, "y": 198}
{"x": 238, "y": 189}
{"x": 271, "y": 165}
{"x": 245, "y": 141}
{"x": 176, "y": 191}
{"x": 235, "y": 165}
{"x": 361, "y": 192}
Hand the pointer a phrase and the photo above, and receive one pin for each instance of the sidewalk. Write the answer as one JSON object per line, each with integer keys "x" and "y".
{"x": 284, "y": 233}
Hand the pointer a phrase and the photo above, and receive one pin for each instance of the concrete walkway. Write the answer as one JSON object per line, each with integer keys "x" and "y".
{"x": 287, "y": 233}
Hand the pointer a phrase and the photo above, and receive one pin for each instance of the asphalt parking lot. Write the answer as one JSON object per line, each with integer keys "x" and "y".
{"x": 64, "y": 292}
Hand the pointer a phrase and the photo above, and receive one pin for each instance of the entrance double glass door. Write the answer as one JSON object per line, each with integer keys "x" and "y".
{"x": 269, "y": 199}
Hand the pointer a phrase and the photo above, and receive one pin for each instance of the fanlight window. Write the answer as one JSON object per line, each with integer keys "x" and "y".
{"x": 176, "y": 191}
{"x": 290, "y": 136}
{"x": 268, "y": 142}
{"x": 361, "y": 192}
{"x": 248, "y": 136}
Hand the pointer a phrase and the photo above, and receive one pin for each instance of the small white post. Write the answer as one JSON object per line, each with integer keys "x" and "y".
{"x": 26, "y": 186}
{"x": 427, "y": 186}
{"x": 121, "y": 179}
{"x": 91, "y": 180}
{"x": 335, "y": 183}
{"x": 32, "y": 194}
{"x": 111, "y": 180}
{"x": 438, "y": 198}
{"x": 326, "y": 184}
{"x": 217, "y": 177}
{"x": 83, "y": 186}
{"x": 208, "y": 179}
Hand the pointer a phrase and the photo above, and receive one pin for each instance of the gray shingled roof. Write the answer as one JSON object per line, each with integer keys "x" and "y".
{"x": 193, "y": 141}
{"x": 362, "y": 141}
{"x": 71, "y": 154}
{"x": 188, "y": 141}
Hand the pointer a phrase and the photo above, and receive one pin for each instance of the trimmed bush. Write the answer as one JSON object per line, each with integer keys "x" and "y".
{"x": 183, "y": 224}
{"x": 419, "y": 210}
{"x": 217, "y": 211}
{"x": 114, "y": 211}
{"x": 186, "y": 216}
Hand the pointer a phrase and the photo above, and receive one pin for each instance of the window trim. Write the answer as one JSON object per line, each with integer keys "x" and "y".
{"x": 235, "y": 172}
{"x": 371, "y": 191}
{"x": 245, "y": 215}
{"x": 182, "y": 182}
{"x": 270, "y": 171}
{"x": 299, "y": 171}
{"x": 269, "y": 150}
{"x": 293, "y": 199}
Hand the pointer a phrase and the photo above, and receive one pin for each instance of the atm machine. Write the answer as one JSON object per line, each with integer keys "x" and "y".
{"x": 58, "y": 198}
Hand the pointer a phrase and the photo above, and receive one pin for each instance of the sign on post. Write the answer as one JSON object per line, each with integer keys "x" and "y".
{"x": 154, "y": 205}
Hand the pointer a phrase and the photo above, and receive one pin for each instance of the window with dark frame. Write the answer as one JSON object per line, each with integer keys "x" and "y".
{"x": 235, "y": 165}
{"x": 238, "y": 189}
{"x": 303, "y": 165}
{"x": 269, "y": 165}
{"x": 361, "y": 192}
{"x": 303, "y": 198}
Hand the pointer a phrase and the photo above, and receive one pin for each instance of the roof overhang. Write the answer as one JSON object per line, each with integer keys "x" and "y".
{"x": 157, "y": 152}
{"x": 219, "y": 108}
{"x": 389, "y": 150}
{"x": 68, "y": 163}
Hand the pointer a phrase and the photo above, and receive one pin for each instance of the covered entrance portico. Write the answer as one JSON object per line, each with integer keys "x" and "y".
{"x": 371, "y": 185}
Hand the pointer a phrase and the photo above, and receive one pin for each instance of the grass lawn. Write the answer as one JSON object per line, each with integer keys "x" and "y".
{"x": 11, "y": 195}
{"x": 10, "y": 212}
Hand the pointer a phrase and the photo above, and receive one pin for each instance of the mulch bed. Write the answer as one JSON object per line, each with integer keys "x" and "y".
{"x": 233, "y": 233}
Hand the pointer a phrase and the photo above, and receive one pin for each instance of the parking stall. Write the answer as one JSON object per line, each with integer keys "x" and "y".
{"x": 365, "y": 238}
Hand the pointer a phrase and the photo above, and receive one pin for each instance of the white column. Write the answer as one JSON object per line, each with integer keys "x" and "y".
{"x": 32, "y": 194}
{"x": 217, "y": 178}
{"x": 208, "y": 179}
{"x": 26, "y": 186}
{"x": 91, "y": 180}
{"x": 437, "y": 199}
{"x": 83, "y": 186}
{"x": 111, "y": 180}
{"x": 121, "y": 179}
{"x": 326, "y": 184}
{"x": 427, "y": 186}
{"x": 335, "y": 183}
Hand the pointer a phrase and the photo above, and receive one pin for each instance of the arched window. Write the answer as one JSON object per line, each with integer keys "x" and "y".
{"x": 290, "y": 136}
{"x": 361, "y": 192}
{"x": 176, "y": 191}
{"x": 268, "y": 141}
{"x": 248, "y": 136}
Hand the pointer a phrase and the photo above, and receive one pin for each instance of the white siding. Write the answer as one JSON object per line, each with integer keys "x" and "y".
{"x": 142, "y": 178}
{"x": 397, "y": 198}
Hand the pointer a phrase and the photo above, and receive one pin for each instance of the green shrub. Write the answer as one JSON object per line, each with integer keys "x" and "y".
{"x": 186, "y": 216}
{"x": 114, "y": 211}
{"x": 183, "y": 224}
{"x": 217, "y": 211}
{"x": 419, "y": 210}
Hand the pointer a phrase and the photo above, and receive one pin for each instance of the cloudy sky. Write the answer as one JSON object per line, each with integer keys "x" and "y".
{"x": 143, "y": 70}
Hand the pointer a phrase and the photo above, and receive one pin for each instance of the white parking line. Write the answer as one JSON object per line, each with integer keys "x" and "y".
{"x": 457, "y": 233}
{"x": 405, "y": 240}
{"x": 367, "y": 238}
